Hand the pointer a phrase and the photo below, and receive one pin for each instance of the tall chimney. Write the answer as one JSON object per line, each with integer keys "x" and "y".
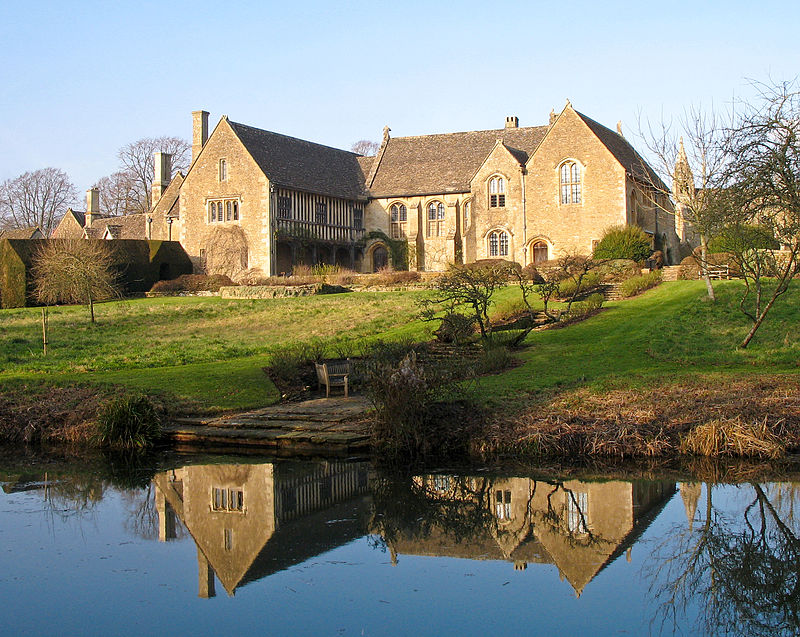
{"x": 161, "y": 177}
{"x": 199, "y": 132}
{"x": 512, "y": 122}
{"x": 92, "y": 205}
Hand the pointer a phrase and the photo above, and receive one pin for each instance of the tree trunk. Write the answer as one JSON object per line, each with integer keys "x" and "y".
{"x": 91, "y": 308}
{"x": 44, "y": 329}
{"x": 704, "y": 266}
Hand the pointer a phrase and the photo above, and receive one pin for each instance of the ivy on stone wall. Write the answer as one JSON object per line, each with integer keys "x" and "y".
{"x": 398, "y": 248}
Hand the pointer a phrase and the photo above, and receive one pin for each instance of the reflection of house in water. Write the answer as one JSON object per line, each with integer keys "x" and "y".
{"x": 580, "y": 527}
{"x": 249, "y": 521}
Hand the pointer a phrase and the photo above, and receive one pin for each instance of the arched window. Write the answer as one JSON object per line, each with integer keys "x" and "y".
{"x": 399, "y": 216}
{"x": 498, "y": 243}
{"x": 497, "y": 192}
{"x": 466, "y": 211}
{"x": 435, "y": 219}
{"x": 539, "y": 250}
{"x": 223, "y": 170}
{"x": 570, "y": 182}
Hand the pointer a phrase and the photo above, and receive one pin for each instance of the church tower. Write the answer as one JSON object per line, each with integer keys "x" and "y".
{"x": 683, "y": 190}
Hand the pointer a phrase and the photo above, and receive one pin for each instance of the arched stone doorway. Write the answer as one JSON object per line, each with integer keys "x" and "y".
{"x": 539, "y": 252}
{"x": 380, "y": 258}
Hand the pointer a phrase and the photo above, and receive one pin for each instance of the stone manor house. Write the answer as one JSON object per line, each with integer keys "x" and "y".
{"x": 254, "y": 199}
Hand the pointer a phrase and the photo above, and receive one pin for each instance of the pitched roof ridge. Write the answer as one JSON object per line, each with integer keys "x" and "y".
{"x": 297, "y": 139}
{"x": 467, "y": 132}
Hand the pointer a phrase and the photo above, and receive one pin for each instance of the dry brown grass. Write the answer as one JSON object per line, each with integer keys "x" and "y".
{"x": 743, "y": 417}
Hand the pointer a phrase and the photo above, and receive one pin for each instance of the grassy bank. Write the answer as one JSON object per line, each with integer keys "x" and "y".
{"x": 206, "y": 351}
{"x": 205, "y": 354}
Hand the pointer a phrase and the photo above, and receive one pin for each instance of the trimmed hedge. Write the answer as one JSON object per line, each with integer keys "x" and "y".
{"x": 140, "y": 264}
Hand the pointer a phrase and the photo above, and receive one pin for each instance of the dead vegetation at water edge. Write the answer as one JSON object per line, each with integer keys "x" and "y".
{"x": 736, "y": 417}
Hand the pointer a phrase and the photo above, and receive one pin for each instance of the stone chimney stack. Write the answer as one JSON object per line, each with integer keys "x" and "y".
{"x": 512, "y": 122}
{"x": 161, "y": 177}
{"x": 199, "y": 132}
{"x": 92, "y": 206}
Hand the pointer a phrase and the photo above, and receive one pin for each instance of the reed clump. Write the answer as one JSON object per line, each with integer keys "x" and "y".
{"x": 734, "y": 437}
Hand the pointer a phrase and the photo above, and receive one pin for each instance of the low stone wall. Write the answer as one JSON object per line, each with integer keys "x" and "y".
{"x": 266, "y": 291}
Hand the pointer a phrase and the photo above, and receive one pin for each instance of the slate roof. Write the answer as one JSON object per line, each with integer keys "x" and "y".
{"x": 79, "y": 216}
{"x": 125, "y": 227}
{"x": 300, "y": 165}
{"x": 21, "y": 233}
{"x": 430, "y": 164}
{"x": 626, "y": 155}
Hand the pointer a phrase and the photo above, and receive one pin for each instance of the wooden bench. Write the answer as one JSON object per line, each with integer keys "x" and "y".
{"x": 333, "y": 375}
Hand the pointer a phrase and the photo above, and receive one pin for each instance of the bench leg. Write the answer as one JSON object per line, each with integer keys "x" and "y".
{"x": 345, "y": 388}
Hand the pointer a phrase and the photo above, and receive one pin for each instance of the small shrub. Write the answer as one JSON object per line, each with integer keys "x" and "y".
{"x": 588, "y": 306}
{"x": 639, "y": 284}
{"x": 455, "y": 328}
{"x": 623, "y": 242}
{"x": 590, "y": 281}
{"x": 418, "y": 412}
{"x": 495, "y": 357}
{"x": 128, "y": 422}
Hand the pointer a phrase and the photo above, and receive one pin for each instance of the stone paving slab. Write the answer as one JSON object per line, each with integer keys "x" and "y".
{"x": 315, "y": 424}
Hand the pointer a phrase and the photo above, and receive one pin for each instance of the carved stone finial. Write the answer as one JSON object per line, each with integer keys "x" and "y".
{"x": 386, "y": 130}
{"x": 552, "y": 116}
{"x": 619, "y": 128}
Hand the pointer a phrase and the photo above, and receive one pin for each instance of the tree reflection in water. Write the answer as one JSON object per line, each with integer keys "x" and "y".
{"x": 741, "y": 570}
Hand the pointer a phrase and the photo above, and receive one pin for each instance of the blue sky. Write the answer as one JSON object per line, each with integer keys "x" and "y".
{"x": 81, "y": 79}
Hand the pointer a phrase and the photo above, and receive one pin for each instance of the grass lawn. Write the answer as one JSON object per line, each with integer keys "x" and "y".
{"x": 211, "y": 351}
{"x": 666, "y": 333}
{"x": 204, "y": 349}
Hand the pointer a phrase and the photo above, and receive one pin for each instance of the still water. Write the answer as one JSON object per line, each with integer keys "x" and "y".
{"x": 208, "y": 546}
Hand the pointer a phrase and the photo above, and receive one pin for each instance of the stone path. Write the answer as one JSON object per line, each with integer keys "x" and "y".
{"x": 313, "y": 426}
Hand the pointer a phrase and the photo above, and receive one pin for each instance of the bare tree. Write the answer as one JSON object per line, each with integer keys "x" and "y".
{"x": 36, "y": 199}
{"x": 135, "y": 176}
{"x": 365, "y": 147}
{"x": 761, "y": 187}
{"x": 74, "y": 271}
{"x": 118, "y": 194}
{"x": 691, "y": 155}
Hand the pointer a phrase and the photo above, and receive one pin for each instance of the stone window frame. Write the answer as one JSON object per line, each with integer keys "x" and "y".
{"x": 398, "y": 219}
{"x": 466, "y": 214}
{"x": 570, "y": 182}
{"x": 435, "y": 212}
{"x": 227, "y": 499}
{"x": 222, "y": 173}
{"x": 498, "y": 243}
{"x": 223, "y": 210}
{"x": 497, "y": 188}
{"x": 502, "y": 507}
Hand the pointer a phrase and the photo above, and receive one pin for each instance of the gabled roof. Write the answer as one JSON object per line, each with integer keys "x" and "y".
{"x": 80, "y": 217}
{"x": 430, "y": 164}
{"x": 124, "y": 227}
{"x": 625, "y": 154}
{"x": 300, "y": 165}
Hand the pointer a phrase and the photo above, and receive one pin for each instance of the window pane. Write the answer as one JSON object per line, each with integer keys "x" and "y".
{"x": 236, "y": 211}
{"x": 403, "y": 213}
{"x": 493, "y": 248}
{"x": 501, "y": 185}
{"x": 440, "y": 211}
{"x": 432, "y": 211}
{"x": 394, "y": 213}
{"x": 576, "y": 173}
{"x": 503, "y": 244}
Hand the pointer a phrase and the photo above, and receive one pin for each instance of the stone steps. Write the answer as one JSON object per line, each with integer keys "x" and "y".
{"x": 314, "y": 426}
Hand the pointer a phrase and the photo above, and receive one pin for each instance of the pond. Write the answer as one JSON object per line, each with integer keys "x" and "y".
{"x": 209, "y": 545}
